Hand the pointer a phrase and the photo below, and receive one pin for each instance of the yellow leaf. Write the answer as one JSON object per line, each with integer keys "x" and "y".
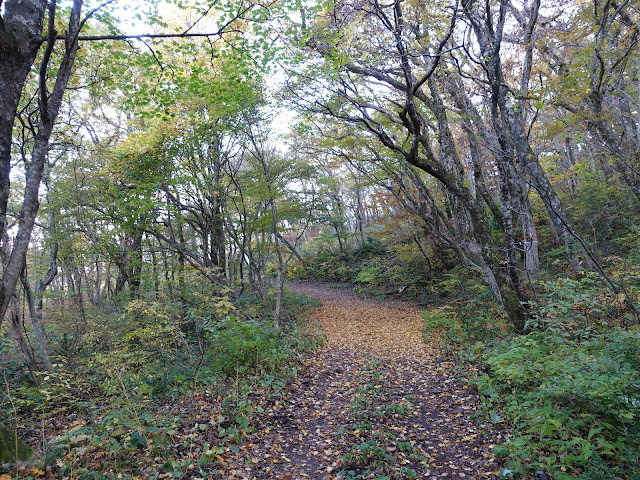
{"x": 5, "y": 476}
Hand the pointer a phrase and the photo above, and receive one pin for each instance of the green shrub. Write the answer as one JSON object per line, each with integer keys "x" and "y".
{"x": 570, "y": 390}
{"x": 371, "y": 265}
{"x": 465, "y": 327}
{"x": 239, "y": 346}
{"x": 8, "y": 451}
{"x": 299, "y": 305}
{"x": 368, "y": 274}
{"x": 596, "y": 206}
{"x": 576, "y": 308}
{"x": 574, "y": 403}
{"x": 131, "y": 368}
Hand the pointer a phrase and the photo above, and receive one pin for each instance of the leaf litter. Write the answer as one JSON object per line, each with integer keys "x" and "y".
{"x": 374, "y": 401}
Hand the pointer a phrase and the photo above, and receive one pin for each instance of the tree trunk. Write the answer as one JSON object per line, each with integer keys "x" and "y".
{"x": 530, "y": 244}
{"x": 20, "y": 29}
{"x": 359, "y": 212}
{"x": 35, "y": 302}
{"x": 49, "y": 108}
{"x": 98, "y": 282}
{"x": 154, "y": 273}
{"x": 135, "y": 264}
{"x": 508, "y": 123}
{"x": 16, "y": 328}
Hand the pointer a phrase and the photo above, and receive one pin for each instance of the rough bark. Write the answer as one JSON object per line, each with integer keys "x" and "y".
{"x": 49, "y": 108}
{"x": 20, "y": 31}
{"x": 508, "y": 122}
{"x": 462, "y": 222}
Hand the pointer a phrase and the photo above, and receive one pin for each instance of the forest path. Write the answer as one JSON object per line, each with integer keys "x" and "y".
{"x": 374, "y": 401}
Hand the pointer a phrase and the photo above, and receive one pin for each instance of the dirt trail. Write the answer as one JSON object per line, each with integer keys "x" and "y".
{"x": 373, "y": 402}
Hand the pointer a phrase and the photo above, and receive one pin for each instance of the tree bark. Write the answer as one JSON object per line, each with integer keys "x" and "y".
{"x": 459, "y": 216}
{"x": 35, "y": 301}
{"x": 49, "y": 108}
{"x": 260, "y": 155}
{"x": 20, "y": 31}
{"x": 16, "y": 328}
{"x": 508, "y": 122}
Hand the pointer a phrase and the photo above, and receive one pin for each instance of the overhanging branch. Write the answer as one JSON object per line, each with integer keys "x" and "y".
{"x": 85, "y": 38}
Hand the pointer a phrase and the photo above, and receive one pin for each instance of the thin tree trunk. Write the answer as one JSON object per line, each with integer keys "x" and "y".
{"x": 98, "y": 282}
{"x": 425, "y": 255}
{"x": 81, "y": 327}
{"x": 154, "y": 272}
{"x": 35, "y": 303}
{"x": 108, "y": 292}
{"x": 16, "y": 328}
{"x": 530, "y": 243}
{"x": 359, "y": 215}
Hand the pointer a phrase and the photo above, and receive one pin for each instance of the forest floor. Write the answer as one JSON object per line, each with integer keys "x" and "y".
{"x": 374, "y": 401}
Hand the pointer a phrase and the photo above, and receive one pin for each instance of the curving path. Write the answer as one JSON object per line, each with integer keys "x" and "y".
{"x": 373, "y": 402}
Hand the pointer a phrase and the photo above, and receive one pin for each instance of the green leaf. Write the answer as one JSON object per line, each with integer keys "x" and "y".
{"x": 507, "y": 473}
{"x": 500, "y": 451}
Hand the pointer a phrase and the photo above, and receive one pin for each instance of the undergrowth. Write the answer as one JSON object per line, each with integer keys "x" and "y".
{"x": 160, "y": 390}
{"x": 372, "y": 268}
{"x": 569, "y": 391}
